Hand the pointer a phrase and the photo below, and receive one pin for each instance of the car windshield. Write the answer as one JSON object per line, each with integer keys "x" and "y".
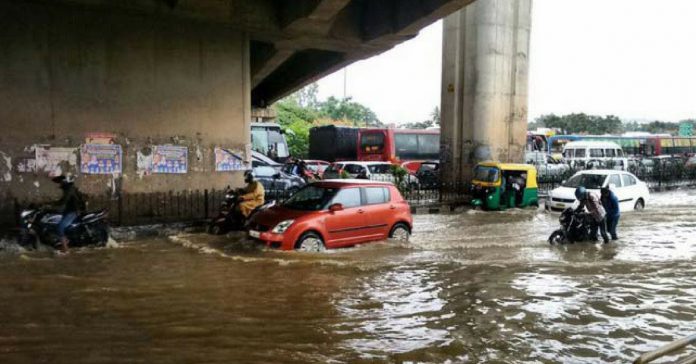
{"x": 591, "y": 181}
{"x": 310, "y": 198}
{"x": 486, "y": 174}
{"x": 380, "y": 168}
{"x": 427, "y": 167}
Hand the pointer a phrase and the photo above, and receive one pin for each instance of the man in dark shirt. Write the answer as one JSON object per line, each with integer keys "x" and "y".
{"x": 611, "y": 205}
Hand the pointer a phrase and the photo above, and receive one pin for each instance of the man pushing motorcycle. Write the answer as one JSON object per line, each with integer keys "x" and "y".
{"x": 592, "y": 202}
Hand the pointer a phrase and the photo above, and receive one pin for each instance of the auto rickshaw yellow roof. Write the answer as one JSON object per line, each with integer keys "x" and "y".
{"x": 530, "y": 169}
{"x": 509, "y": 166}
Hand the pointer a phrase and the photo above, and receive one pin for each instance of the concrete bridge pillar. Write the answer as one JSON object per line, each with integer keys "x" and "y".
{"x": 484, "y": 85}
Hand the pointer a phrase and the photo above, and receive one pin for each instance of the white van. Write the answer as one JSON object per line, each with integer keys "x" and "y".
{"x": 595, "y": 154}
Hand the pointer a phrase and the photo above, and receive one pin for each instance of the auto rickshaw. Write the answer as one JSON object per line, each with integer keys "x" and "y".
{"x": 499, "y": 186}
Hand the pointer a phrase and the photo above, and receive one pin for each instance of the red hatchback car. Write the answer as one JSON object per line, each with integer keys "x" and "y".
{"x": 332, "y": 214}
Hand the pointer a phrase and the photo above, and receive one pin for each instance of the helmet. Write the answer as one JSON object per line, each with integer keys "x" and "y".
{"x": 580, "y": 192}
{"x": 249, "y": 176}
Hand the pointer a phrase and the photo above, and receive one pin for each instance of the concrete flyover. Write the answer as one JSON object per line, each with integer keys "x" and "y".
{"x": 484, "y": 85}
{"x": 139, "y": 74}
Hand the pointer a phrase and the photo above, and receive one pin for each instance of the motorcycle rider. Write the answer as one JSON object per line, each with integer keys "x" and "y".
{"x": 594, "y": 207}
{"x": 253, "y": 195}
{"x": 68, "y": 206}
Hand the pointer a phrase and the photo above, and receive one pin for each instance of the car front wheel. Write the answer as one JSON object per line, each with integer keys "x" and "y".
{"x": 310, "y": 242}
{"x": 640, "y": 205}
{"x": 400, "y": 232}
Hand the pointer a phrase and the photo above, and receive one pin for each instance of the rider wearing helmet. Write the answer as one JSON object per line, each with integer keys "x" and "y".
{"x": 593, "y": 203}
{"x": 252, "y": 195}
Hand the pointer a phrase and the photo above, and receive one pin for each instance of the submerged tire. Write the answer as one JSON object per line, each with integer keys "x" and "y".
{"x": 214, "y": 229}
{"x": 557, "y": 238}
{"x": 400, "y": 232}
{"x": 310, "y": 242}
{"x": 640, "y": 205}
{"x": 101, "y": 234}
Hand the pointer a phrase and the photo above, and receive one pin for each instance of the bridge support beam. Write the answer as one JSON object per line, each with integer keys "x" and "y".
{"x": 484, "y": 85}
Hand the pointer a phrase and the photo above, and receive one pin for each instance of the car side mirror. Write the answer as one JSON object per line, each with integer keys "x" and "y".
{"x": 612, "y": 186}
{"x": 336, "y": 207}
{"x": 563, "y": 182}
{"x": 276, "y": 176}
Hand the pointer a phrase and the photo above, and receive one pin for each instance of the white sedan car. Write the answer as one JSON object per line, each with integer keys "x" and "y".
{"x": 632, "y": 193}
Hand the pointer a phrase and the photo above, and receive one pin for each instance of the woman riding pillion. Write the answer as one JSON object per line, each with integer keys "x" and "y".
{"x": 592, "y": 202}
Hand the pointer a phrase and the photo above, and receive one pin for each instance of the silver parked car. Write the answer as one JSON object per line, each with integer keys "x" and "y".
{"x": 546, "y": 165}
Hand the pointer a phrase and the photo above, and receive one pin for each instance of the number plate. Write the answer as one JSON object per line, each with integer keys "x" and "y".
{"x": 254, "y": 234}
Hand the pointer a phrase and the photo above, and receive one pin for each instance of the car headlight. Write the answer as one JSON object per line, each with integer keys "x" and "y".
{"x": 282, "y": 227}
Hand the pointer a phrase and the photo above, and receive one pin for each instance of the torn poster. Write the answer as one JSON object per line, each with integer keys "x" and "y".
{"x": 54, "y": 160}
{"x": 230, "y": 160}
{"x": 5, "y": 167}
{"x": 101, "y": 159}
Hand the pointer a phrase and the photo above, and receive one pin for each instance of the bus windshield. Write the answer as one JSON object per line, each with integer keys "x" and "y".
{"x": 372, "y": 143}
{"x": 269, "y": 141}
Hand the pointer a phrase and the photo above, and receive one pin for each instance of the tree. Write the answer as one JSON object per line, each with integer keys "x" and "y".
{"x": 435, "y": 116}
{"x": 299, "y": 112}
{"x": 345, "y": 109}
{"x": 418, "y": 125}
{"x": 581, "y": 123}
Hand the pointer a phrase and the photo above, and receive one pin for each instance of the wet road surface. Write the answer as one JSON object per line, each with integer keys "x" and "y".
{"x": 471, "y": 287}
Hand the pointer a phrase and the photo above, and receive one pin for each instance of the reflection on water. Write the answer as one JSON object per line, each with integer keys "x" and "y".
{"x": 471, "y": 287}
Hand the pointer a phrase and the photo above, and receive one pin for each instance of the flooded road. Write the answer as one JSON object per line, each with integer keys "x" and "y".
{"x": 471, "y": 287}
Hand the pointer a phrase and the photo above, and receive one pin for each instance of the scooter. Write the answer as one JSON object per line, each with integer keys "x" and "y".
{"x": 575, "y": 227}
{"x": 229, "y": 218}
{"x": 40, "y": 225}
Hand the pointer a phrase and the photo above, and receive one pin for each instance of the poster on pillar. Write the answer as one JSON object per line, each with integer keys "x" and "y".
{"x": 54, "y": 160}
{"x": 227, "y": 160}
{"x": 101, "y": 159}
{"x": 169, "y": 159}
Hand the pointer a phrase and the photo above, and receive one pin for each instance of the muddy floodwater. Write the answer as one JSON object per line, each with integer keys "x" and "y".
{"x": 471, "y": 287}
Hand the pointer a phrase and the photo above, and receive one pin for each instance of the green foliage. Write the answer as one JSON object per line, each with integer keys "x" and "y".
{"x": 301, "y": 111}
{"x": 581, "y": 123}
{"x": 433, "y": 122}
{"x": 418, "y": 125}
{"x": 399, "y": 174}
{"x": 345, "y": 109}
{"x": 598, "y": 125}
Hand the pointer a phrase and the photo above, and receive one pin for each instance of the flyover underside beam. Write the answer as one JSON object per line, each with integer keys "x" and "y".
{"x": 484, "y": 80}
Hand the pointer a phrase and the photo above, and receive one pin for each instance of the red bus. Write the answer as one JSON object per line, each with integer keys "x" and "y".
{"x": 398, "y": 145}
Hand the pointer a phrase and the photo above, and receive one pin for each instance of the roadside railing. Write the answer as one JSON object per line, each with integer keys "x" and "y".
{"x": 193, "y": 205}
{"x": 670, "y": 349}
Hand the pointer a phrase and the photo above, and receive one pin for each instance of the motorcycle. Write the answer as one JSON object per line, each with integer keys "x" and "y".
{"x": 40, "y": 225}
{"x": 575, "y": 227}
{"x": 229, "y": 218}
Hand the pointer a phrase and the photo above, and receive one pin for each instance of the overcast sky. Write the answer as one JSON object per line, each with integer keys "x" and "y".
{"x": 632, "y": 58}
